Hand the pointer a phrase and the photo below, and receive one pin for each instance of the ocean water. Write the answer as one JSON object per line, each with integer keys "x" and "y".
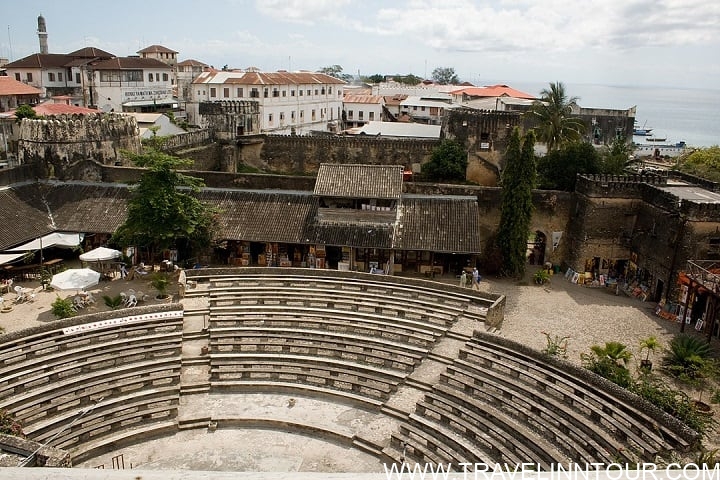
{"x": 678, "y": 114}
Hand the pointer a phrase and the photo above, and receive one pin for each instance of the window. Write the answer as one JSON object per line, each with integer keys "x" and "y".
{"x": 270, "y": 118}
{"x": 360, "y": 115}
{"x": 254, "y": 93}
{"x": 316, "y": 91}
{"x": 240, "y": 92}
{"x": 165, "y": 77}
{"x": 292, "y": 93}
{"x": 60, "y": 77}
{"x": 350, "y": 114}
{"x": 282, "y": 116}
{"x": 29, "y": 77}
{"x": 213, "y": 92}
{"x": 276, "y": 93}
{"x": 265, "y": 93}
{"x": 284, "y": 93}
{"x": 312, "y": 116}
{"x": 292, "y": 115}
{"x": 302, "y": 114}
{"x": 51, "y": 77}
{"x": 322, "y": 91}
{"x": 226, "y": 92}
{"x": 300, "y": 93}
{"x": 77, "y": 78}
{"x": 309, "y": 92}
{"x": 150, "y": 77}
{"x": 329, "y": 90}
{"x": 17, "y": 77}
{"x": 371, "y": 116}
{"x": 422, "y": 109}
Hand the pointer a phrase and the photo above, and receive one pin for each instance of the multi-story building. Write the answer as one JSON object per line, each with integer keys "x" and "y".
{"x": 289, "y": 102}
{"x": 360, "y": 109}
{"x": 429, "y": 110}
{"x": 185, "y": 72}
{"x": 130, "y": 84}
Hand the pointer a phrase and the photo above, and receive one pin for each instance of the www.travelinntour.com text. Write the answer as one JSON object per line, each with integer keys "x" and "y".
{"x": 557, "y": 471}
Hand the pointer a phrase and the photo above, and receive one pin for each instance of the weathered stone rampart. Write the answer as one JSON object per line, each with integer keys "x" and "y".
{"x": 61, "y": 141}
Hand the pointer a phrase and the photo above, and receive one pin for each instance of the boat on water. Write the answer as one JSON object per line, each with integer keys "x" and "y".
{"x": 641, "y": 131}
{"x": 656, "y": 139}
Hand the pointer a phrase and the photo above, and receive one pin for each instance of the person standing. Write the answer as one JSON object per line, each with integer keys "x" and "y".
{"x": 463, "y": 279}
{"x": 475, "y": 279}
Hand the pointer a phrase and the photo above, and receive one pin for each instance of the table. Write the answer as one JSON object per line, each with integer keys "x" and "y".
{"x": 52, "y": 265}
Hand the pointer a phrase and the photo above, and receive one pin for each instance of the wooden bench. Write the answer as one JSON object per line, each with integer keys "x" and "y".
{"x": 376, "y": 327}
{"x": 332, "y": 373}
{"x": 544, "y": 414}
{"x": 363, "y": 317}
{"x": 574, "y": 396}
{"x": 332, "y": 344}
{"x": 616, "y": 414}
{"x": 39, "y": 403}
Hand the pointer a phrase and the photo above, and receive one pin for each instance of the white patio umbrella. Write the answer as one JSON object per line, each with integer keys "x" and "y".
{"x": 100, "y": 254}
{"x": 75, "y": 279}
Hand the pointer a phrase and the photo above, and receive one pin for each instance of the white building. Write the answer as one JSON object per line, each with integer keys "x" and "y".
{"x": 362, "y": 108}
{"x": 299, "y": 102}
{"x": 428, "y": 110}
{"x": 131, "y": 84}
{"x": 147, "y": 122}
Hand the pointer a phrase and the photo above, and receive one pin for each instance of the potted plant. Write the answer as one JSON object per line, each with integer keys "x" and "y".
{"x": 160, "y": 283}
{"x": 63, "y": 308}
{"x": 541, "y": 277}
{"x": 650, "y": 345}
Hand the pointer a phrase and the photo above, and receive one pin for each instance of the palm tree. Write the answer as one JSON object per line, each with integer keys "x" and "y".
{"x": 551, "y": 115}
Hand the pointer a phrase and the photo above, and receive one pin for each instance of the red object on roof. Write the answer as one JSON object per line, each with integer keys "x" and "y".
{"x": 49, "y": 109}
{"x": 493, "y": 91}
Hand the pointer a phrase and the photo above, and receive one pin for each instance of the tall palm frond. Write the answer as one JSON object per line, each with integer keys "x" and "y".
{"x": 552, "y": 117}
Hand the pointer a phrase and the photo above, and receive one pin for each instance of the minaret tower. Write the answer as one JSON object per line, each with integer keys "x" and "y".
{"x": 42, "y": 34}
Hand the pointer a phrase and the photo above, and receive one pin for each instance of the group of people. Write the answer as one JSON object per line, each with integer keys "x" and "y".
{"x": 471, "y": 280}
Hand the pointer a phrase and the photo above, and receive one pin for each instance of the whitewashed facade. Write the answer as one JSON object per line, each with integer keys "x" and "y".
{"x": 361, "y": 109}
{"x": 290, "y": 102}
{"x": 131, "y": 84}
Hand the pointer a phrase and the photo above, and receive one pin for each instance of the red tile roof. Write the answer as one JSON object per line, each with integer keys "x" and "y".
{"x": 192, "y": 63}
{"x": 361, "y": 98}
{"x": 41, "y": 60}
{"x": 10, "y": 86}
{"x": 91, "y": 52}
{"x": 493, "y": 91}
{"x": 49, "y": 109}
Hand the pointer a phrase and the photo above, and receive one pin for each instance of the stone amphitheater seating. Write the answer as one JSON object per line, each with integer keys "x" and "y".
{"x": 499, "y": 402}
{"x": 80, "y": 382}
{"x": 92, "y": 383}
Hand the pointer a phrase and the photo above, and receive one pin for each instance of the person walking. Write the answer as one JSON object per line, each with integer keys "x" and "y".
{"x": 463, "y": 279}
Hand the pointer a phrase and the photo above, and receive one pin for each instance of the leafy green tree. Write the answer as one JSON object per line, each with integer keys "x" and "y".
{"x": 447, "y": 163}
{"x": 610, "y": 361}
{"x": 558, "y": 169}
{"x": 445, "y": 76}
{"x": 376, "y": 78}
{"x": 518, "y": 181}
{"x": 24, "y": 111}
{"x": 337, "y": 72}
{"x": 614, "y": 160}
{"x": 551, "y": 116}
{"x": 162, "y": 212}
{"x": 408, "y": 79}
{"x": 704, "y": 162}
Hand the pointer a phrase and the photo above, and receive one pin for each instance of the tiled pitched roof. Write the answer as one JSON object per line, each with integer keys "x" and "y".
{"x": 123, "y": 63}
{"x": 90, "y": 52}
{"x": 41, "y": 60}
{"x": 191, "y": 63}
{"x": 23, "y": 219}
{"x": 156, "y": 49}
{"x": 88, "y": 208}
{"x": 359, "y": 181}
{"x": 262, "y": 216}
{"x": 10, "y": 86}
{"x": 441, "y": 224}
{"x": 493, "y": 91}
{"x": 268, "y": 78}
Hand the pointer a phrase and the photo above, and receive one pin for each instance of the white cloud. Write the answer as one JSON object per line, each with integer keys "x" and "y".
{"x": 308, "y": 12}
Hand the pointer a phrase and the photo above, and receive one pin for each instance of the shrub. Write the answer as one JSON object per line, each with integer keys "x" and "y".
{"x": 160, "y": 283}
{"x": 10, "y": 426}
{"x": 556, "y": 345}
{"x": 63, "y": 308}
{"x": 541, "y": 277}
{"x": 610, "y": 362}
{"x": 686, "y": 356}
{"x": 113, "y": 302}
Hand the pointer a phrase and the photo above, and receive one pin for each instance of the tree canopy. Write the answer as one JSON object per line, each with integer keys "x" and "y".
{"x": 704, "y": 162}
{"x": 375, "y": 78}
{"x": 24, "y": 111}
{"x": 162, "y": 211}
{"x": 559, "y": 168}
{"x": 337, "y": 72}
{"x": 551, "y": 116}
{"x": 445, "y": 76}
{"x": 518, "y": 181}
{"x": 448, "y": 162}
{"x": 408, "y": 79}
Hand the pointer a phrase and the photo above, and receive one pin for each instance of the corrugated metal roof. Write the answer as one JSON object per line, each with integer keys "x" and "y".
{"x": 440, "y": 224}
{"x": 267, "y": 78}
{"x": 360, "y": 98}
{"x": 359, "y": 181}
{"x": 89, "y": 208}
{"x": 23, "y": 218}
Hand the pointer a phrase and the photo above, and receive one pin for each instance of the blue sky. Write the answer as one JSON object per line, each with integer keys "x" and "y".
{"x": 672, "y": 43}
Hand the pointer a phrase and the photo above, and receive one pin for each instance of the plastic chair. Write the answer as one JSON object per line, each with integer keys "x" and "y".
{"x": 21, "y": 296}
{"x": 131, "y": 301}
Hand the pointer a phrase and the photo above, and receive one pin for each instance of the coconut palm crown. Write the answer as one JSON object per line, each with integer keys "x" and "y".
{"x": 551, "y": 116}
